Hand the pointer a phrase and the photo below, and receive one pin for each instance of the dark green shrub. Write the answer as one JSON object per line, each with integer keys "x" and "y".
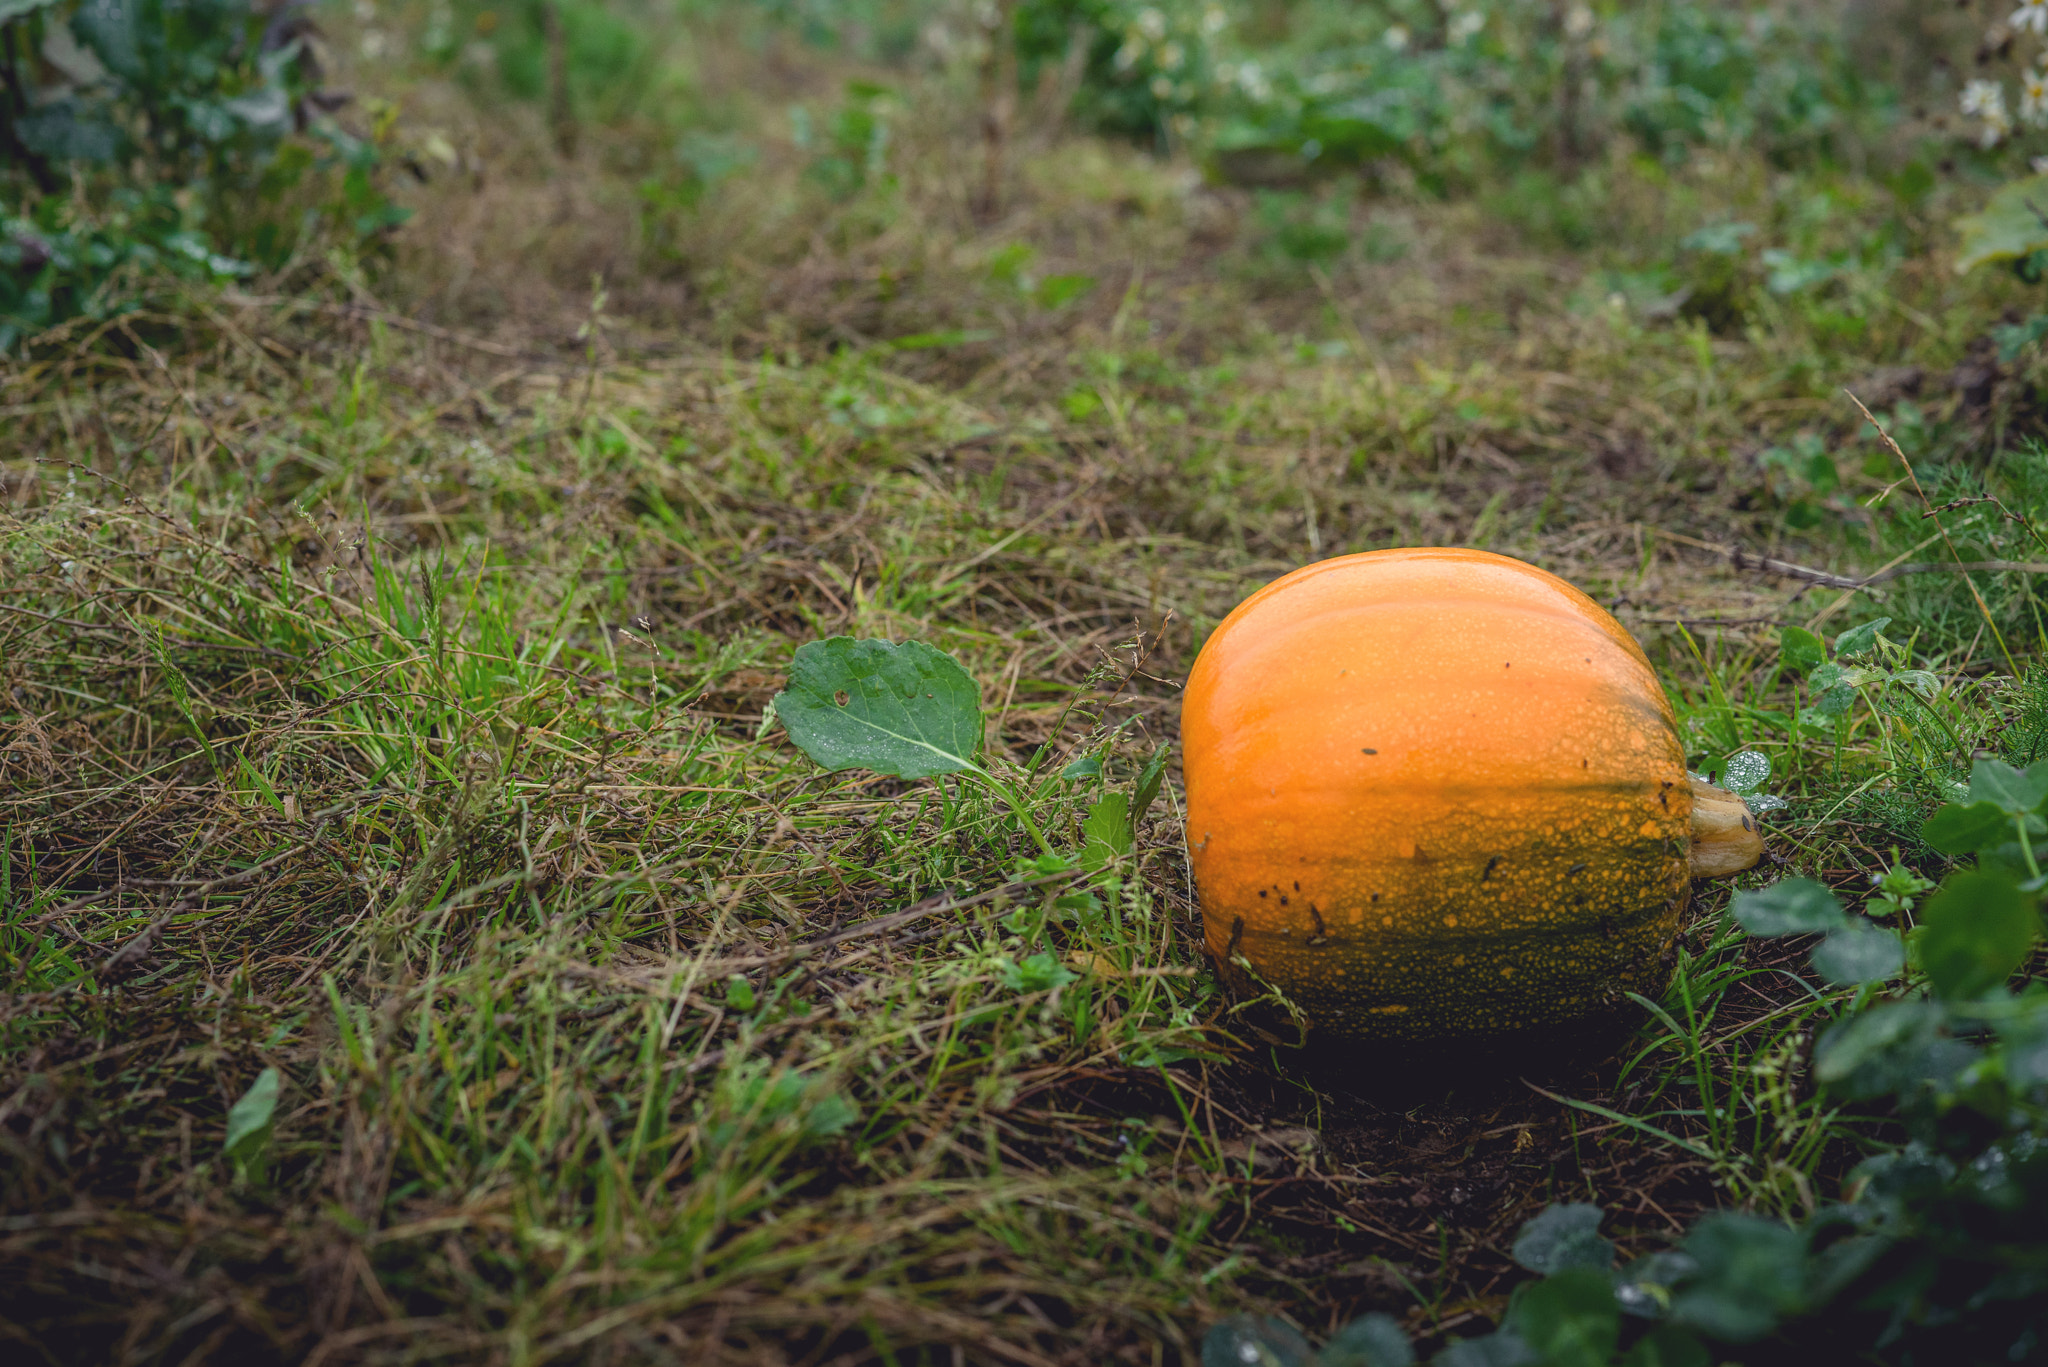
{"x": 147, "y": 139}
{"x": 1454, "y": 91}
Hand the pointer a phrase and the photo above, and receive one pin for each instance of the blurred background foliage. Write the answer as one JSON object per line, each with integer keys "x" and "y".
{"x": 186, "y": 139}
{"x": 194, "y": 138}
{"x": 1780, "y": 174}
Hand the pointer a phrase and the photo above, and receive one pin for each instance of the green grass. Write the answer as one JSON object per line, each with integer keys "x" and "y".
{"x": 383, "y": 707}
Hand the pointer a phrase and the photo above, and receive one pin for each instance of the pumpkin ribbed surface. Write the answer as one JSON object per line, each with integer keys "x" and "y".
{"x": 1435, "y": 795}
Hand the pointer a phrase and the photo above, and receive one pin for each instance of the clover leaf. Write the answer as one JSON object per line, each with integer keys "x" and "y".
{"x": 1795, "y": 906}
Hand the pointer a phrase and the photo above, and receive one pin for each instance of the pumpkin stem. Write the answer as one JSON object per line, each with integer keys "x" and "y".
{"x": 1725, "y": 837}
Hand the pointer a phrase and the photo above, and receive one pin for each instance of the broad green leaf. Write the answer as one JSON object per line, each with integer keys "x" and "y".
{"x": 1570, "y": 1319}
{"x": 1975, "y": 933}
{"x": 828, "y": 1114}
{"x": 1368, "y": 1341}
{"x": 1057, "y": 291}
{"x": 1788, "y": 274}
{"x": 1836, "y": 701}
{"x": 1718, "y": 239}
{"x": 758, "y": 1098}
{"x": 1643, "y": 1288}
{"x": 1039, "y": 973}
{"x": 1800, "y": 649}
{"x": 1752, "y": 1272}
{"x": 1106, "y": 832}
{"x": 1958, "y": 829}
{"x": 907, "y": 710}
{"x": 68, "y": 132}
{"x": 249, "y": 1119}
{"x": 1746, "y": 771}
{"x": 739, "y": 993}
{"x": 116, "y": 34}
{"x": 1796, "y": 906}
{"x": 1147, "y": 787}
{"x": 1255, "y": 1341}
{"x": 1668, "y": 1346}
{"x": 1563, "y": 1237}
{"x": 1085, "y": 767}
{"x": 1859, "y": 953}
{"x": 1835, "y": 1268}
{"x": 2025, "y": 1041}
{"x": 2012, "y": 225}
{"x": 1920, "y": 681}
{"x": 1881, "y": 1051}
{"x": 2010, "y": 790}
{"x": 1858, "y": 639}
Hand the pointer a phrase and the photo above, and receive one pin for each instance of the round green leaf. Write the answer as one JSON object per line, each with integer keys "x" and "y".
{"x": 1369, "y": 1341}
{"x": 1975, "y": 934}
{"x": 1959, "y": 829}
{"x": 1746, "y": 771}
{"x": 1668, "y": 1346}
{"x": 1799, "y": 648}
{"x": 1859, "y": 953}
{"x": 1883, "y": 1050}
{"x": 1752, "y": 1272}
{"x": 1796, "y": 906}
{"x": 2025, "y": 1041}
{"x": 1254, "y": 1341}
{"x": 1563, "y": 1237}
{"x": 2011, "y": 225}
{"x": 2010, "y": 790}
{"x": 907, "y": 710}
{"x": 1570, "y": 1319}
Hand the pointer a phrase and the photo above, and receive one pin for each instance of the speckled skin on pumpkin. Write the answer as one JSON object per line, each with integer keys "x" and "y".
{"x": 1433, "y": 796}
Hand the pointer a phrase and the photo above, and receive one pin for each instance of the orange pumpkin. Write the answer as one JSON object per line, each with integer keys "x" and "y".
{"x": 1438, "y": 795}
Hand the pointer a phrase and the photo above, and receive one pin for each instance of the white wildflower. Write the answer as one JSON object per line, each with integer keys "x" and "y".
{"x": 2032, "y": 14}
{"x": 1214, "y": 20}
{"x": 1579, "y": 22}
{"x": 1162, "y": 88}
{"x": 1151, "y": 23}
{"x": 1127, "y": 56}
{"x": 1984, "y": 99}
{"x": 1397, "y": 38}
{"x": 1171, "y": 56}
{"x": 2034, "y": 97}
{"x": 1465, "y": 26}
